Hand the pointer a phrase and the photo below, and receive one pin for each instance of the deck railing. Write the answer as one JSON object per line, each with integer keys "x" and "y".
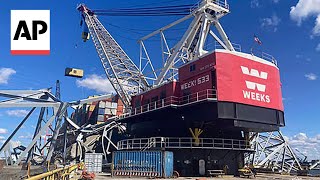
{"x": 176, "y": 101}
{"x": 183, "y": 143}
{"x": 221, "y": 3}
{"x": 172, "y": 101}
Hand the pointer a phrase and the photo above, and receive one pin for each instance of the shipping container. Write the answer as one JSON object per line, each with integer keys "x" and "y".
{"x": 100, "y": 118}
{"x": 102, "y": 104}
{"x": 93, "y": 162}
{"x": 108, "y": 104}
{"x": 101, "y": 111}
{"x": 142, "y": 163}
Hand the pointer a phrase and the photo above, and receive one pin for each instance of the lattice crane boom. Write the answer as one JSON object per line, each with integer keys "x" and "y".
{"x": 191, "y": 46}
{"x": 123, "y": 74}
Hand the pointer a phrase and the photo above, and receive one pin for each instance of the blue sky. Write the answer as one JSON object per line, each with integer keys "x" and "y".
{"x": 289, "y": 30}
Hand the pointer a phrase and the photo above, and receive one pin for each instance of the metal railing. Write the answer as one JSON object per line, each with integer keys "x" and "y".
{"x": 260, "y": 54}
{"x": 61, "y": 173}
{"x": 171, "y": 101}
{"x": 269, "y": 58}
{"x": 183, "y": 143}
{"x": 221, "y": 3}
{"x": 209, "y": 94}
{"x": 264, "y": 56}
{"x": 237, "y": 47}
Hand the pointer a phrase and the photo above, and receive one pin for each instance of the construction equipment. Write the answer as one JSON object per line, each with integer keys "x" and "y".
{"x": 200, "y": 87}
{"x": 122, "y": 73}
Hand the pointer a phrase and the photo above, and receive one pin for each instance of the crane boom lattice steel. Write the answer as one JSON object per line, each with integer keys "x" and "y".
{"x": 123, "y": 74}
{"x": 205, "y": 15}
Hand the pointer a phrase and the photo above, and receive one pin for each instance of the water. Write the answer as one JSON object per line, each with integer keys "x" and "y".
{"x": 314, "y": 172}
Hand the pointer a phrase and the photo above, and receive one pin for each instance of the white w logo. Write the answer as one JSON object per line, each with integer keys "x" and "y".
{"x": 253, "y": 85}
{"x": 255, "y": 73}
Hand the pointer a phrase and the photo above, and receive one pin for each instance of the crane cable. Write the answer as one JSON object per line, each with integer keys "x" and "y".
{"x": 173, "y": 10}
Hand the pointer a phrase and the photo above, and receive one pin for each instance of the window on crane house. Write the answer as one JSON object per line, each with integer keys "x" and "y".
{"x": 146, "y": 101}
{"x": 214, "y": 79}
{"x": 163, "y": 94}
{"x": 138, "y": 103}
{"x": 192, "y": 67}
{"x": 154, "y": 99}
{"x": 186, "y": 96}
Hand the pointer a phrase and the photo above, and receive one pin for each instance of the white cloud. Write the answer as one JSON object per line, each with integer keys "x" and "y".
{"x": 26, "y": 137}
{"x": 95, "y": 82}
{"x": 271, "y": 22}
{"x": 2, "y": 138}
{"x": 305, "y": 9}
{"x": 309, "y": 146}
{"x": 318, "y": 47}
{"x": 3, "y": 131}
{"x": 5, "y": 74}
{"x": 311, "y": 76}
{"x": 17, "y": 113}
{"x": 254, "y": 4}
{"x": 275, "y": 1}
{"x": 15, "y": 144}
{"x": 316, "y": 29}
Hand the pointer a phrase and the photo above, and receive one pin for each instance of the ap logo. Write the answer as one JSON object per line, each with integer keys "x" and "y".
{"x": 30, "y": 32}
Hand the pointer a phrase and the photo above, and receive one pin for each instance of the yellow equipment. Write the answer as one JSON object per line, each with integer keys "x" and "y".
{"x": 74, "y": 72}
{"x": 61, "y": 173}
{"x": 197, "y": 132}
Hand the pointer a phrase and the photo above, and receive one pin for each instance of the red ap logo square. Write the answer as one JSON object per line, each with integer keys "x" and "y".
{"x": 30, "y": 32}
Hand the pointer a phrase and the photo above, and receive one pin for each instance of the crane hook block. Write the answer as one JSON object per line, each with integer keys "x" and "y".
{"x": 85, "y": 36}
{"x": 74, "y": 72}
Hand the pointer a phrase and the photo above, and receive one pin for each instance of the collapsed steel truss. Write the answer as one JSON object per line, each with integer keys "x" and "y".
{"x": 43, "y": 144}
{"x": 272, "y": 151}
{"x": 88, "y": 139}
{"x": 42, "y": 99}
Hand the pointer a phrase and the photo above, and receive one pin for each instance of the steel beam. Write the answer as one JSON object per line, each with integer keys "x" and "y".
{"x": 41, "y": 131}
{"x": 15, "y": 131}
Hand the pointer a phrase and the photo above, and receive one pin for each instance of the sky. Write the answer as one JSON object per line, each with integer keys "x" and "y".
{"x": 289, "y": 30}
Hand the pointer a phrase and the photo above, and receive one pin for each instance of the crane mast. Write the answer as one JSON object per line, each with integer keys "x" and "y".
{"x": 122, "y": 73}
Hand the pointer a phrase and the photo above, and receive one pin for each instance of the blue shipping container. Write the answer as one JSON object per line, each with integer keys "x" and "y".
{"x": 142, "y": 163}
